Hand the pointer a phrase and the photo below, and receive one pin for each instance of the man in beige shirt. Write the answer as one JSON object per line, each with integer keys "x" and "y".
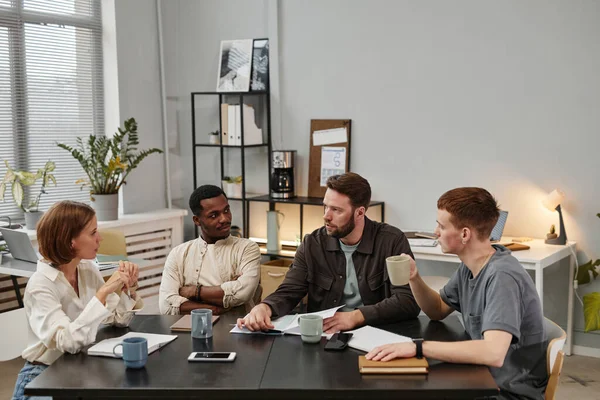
{"x": 215, "y": 271}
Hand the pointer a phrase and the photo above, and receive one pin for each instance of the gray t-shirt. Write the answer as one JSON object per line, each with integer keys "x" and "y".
{"x": 503, "y": 297}
{"x": 351, "y": 297}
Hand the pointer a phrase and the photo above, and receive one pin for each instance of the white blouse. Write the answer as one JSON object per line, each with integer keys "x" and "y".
{"x": 60, "y": 321}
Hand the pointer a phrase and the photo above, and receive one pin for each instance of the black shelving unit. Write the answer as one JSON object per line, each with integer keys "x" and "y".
{"x": 302, "y": 201}
{"x": 240, "y": 97}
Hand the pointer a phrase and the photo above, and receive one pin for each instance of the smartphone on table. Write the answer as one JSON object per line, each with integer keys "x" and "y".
{"x": 224, "y": 356}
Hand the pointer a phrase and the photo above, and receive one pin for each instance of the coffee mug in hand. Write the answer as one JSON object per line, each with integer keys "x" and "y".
{"x": 398, "y": 268}
{"x": 135, "y": 352}
{"x": 311, "y": 328}
{"x": 201, "y": 323}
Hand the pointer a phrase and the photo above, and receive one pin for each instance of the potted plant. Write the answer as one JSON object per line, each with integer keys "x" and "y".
{"x": 591, "y": 301}
{"x": 17, "y": 179}
{"x": 232, "y": 186}
{"x": 107, "y": 163}
{"x": 213, "y": 137}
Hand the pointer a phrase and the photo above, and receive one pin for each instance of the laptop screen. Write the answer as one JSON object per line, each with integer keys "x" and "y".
{"x": 499, "y": 228}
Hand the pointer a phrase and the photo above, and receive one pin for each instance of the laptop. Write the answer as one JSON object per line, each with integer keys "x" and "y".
{"x": 20, "y": 246}
{"x": 499, "y": 228}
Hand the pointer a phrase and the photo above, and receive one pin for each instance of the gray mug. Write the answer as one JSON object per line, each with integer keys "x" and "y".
{"x": 201, "y": 323}
{"x": 135, "y": 352}
{"x": 311, "y": 328}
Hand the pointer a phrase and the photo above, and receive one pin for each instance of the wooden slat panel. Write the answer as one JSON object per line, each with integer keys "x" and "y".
{"x": 149, "y": 244}
{"x": 152, "y": 254}
{"x": 148, "y": 236}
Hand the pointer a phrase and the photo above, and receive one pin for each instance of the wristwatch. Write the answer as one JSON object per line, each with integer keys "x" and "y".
{"x": 419, "y": 344}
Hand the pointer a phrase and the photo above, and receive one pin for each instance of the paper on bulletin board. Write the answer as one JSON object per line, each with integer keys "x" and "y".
{"x": 333, "y": 162}
{"x": 330, "y": 136}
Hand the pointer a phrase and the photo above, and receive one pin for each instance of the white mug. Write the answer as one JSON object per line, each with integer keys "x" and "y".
{"x": 398, "y": 269}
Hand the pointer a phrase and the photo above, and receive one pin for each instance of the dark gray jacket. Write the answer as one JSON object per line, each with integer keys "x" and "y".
{"x": 319, "y": 270}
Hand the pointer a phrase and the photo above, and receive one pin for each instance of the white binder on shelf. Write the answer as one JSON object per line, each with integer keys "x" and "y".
{"x": 231, "y": 124}
{"x": 224, "y": 124}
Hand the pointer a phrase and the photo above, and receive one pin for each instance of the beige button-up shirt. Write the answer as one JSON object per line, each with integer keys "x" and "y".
{"x": 60, "y": 321}
{"x": 196, "y": 262}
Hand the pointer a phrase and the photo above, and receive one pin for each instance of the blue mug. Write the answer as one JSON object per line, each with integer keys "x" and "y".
{"x": 135, "y": 352}
{"x": 201, "y": 323}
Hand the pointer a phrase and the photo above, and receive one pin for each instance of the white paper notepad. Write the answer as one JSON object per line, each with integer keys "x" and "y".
{"x": 367, "y": 338}
{"x": 105, "y": 347}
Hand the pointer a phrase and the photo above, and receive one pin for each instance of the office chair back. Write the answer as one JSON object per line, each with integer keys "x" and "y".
{"x": 15, "y": 334}
{"x": 554, "y": 356}
{"x": 113, "y": 243}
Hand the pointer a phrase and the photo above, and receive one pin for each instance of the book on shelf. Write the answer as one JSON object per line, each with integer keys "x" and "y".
{"x": 399, "y": 366}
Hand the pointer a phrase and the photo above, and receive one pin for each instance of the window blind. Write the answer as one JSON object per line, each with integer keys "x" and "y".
{"x": 51, "y": 90}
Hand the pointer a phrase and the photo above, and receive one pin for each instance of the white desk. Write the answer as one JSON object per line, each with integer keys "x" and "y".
{"x": 537, "y": 258}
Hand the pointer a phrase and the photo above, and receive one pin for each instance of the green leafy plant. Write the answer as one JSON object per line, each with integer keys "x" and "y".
{"x": 591, "y": 301}
{"x": 233, "y": 179}
{"x": 215, "y": 133}
{"x": 18, "y": 179}
{"x": 108, "y": 161}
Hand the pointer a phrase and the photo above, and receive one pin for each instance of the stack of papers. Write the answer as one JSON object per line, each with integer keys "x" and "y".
{"x": 288, "y": 324}
{"x": 105, "y": 347}
{"x": 423, "y": 242}
{"x": 367, "y": 338}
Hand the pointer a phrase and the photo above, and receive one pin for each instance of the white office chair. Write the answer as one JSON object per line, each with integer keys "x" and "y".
{"x": 554, "y": 356}
{"x": 14, "y": 334}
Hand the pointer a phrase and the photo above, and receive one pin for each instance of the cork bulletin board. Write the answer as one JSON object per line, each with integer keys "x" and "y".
{"x": 329, "y": 152}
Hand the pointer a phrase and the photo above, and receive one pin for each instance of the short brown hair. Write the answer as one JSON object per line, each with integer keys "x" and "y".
{"x": 472, "y": 207}
{"x": 352, "y": 185}
{"x": 62, "y": 223}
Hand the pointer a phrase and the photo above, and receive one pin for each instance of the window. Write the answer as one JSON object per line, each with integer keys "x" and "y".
{"x": 51, "y": 90}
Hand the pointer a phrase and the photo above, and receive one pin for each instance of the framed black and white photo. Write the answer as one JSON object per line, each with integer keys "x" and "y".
{"x": 234, "y": 66}
{"x": 260, "y": 65}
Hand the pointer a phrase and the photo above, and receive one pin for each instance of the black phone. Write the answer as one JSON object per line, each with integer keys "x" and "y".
{"x": 339, "y": 341}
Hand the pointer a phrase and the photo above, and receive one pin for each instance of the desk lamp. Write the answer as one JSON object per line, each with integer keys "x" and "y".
{"x": 552, "y": 203}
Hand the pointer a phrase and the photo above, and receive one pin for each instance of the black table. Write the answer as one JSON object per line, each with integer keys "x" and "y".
{"x": 267, "y": 367}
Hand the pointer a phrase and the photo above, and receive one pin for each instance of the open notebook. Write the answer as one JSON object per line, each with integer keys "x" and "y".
{"x": 288, "y": 324}
{"x": 106, "y": 346}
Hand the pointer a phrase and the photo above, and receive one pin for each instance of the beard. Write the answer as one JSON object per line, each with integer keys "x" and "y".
{"x": 343, "y": 231}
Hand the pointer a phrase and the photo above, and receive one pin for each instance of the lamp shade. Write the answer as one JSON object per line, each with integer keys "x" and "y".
{"x": 553, "y": 199}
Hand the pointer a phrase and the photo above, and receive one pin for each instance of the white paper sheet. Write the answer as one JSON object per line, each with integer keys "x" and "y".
{"x": 367, "y": 338}
{"x": 330, "y": 136}
{"x": 289, "y": 323}
{"x": 333, "y": 162}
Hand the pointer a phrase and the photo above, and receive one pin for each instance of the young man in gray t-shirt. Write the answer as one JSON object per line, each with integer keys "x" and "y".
{"x": 497, "y": 298}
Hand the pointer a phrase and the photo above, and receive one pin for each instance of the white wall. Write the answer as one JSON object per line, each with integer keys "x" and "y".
{"x": 193, "y": 31}
{"x": 503, "y": 95}
{"x": 140, "y": 97}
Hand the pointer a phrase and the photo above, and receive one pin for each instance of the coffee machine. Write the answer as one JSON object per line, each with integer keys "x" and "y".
{"x": 282, "y": 174}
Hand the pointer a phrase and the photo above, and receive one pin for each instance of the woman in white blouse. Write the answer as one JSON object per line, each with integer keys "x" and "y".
{"x": 67, "y": 299}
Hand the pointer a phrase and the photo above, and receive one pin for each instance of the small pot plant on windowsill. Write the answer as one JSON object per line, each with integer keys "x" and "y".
{"x": 107, "y": 163}
{"x": 17, "y": 180}
{"x": 232, "y": 186}
{"x": 591, "y": 301}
